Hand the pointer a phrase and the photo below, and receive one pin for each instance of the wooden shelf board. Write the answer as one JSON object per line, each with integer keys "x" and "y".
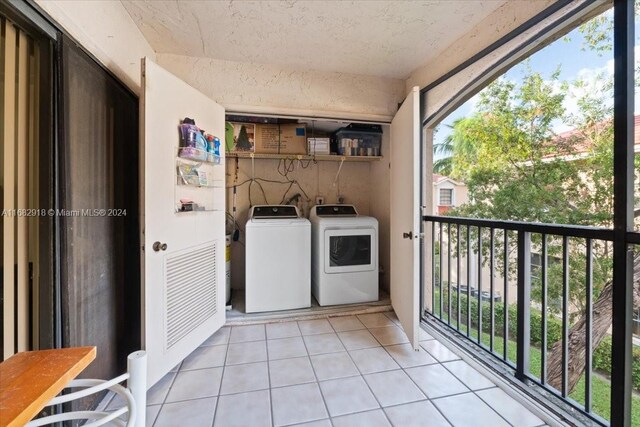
{"x": 318, "y": 157}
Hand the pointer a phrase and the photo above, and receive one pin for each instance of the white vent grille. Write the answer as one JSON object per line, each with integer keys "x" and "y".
{"x": 191, "y": 290}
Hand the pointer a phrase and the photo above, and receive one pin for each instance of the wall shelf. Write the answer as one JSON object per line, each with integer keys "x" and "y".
{"x": 200, "y": 169}
{"x": 197, "y": 156}
{"x": 318, "y": 157}
{"x": 216, "y": 184}
{"x": 180, "y": 212}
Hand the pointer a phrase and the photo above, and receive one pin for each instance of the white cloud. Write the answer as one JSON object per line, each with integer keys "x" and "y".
{"x": 594, "y": 82}
{"x": 594, "y": 79}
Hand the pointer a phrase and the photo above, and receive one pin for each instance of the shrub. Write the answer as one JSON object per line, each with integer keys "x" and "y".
{"x": 554, "y": 325}
{"x": 601, "y": 355}
{"x": 602, "y": 361}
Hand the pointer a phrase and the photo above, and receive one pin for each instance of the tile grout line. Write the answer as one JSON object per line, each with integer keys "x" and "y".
{"x": 428, "y": 399}
{"x": 437, "y": 362}
{"x": 166, "y": 395}
{"x": 296, "y": 357}
{"x": 318, "y": 382}
{"x": 498, "y": 379}
{"x": 363, "y": 378}
{"x": 266, "y": 346}
{"x": 280, "y": 386}
{"x": 411, "y": 379}
{"x": 444, "y": 365}
{"x": 224, "y": 366}
{"x": 459, "y": 394}
{"x": 492, "y": 408}
{"x": 315, "y": 375}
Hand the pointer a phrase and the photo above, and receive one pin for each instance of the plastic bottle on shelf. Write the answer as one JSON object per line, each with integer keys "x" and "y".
{"x": 210, "y": 148}
{"x": 216, "y": 149}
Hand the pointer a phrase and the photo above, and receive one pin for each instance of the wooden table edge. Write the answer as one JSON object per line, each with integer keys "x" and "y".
{"x": 37, "y": 405}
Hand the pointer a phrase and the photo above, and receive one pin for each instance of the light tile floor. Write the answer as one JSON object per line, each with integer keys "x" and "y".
{"x": 343, "y": 371}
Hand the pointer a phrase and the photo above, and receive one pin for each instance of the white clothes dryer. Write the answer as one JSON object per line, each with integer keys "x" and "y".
{"x": 344, "y": 255}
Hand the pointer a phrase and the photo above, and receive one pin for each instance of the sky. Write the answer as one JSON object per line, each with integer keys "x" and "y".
{"x": 574, "y": 62}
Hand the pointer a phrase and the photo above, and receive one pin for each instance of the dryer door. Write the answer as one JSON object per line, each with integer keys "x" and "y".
{"x": 350, "y": 250}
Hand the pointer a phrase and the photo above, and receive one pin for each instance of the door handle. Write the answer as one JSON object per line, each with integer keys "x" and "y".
{"x": 157, "y": 246}
{"x": 407, "y": 235}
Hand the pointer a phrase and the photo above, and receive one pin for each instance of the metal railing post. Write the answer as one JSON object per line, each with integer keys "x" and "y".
{"x": 523, "y": 340}
{"x": 623, "y": 210}
{"x": 519, "y": 334}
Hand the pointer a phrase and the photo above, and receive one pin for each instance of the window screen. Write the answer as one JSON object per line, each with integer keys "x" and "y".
{"x": 446, "y": 196}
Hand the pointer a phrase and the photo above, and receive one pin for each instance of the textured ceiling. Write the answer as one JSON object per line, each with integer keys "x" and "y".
{"x": 379, "y": 38}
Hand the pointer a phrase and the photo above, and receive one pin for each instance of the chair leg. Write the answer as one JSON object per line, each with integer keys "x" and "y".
{"x": 137, "y": 385}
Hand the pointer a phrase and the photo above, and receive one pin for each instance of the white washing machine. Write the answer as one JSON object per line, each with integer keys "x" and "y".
{"x": 278, "y": 259}
{"x": 344, "y": 255}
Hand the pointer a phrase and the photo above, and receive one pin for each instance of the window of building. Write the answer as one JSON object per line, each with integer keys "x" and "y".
{"x": 446, "y": 197}
{"x": 554, "y": 269}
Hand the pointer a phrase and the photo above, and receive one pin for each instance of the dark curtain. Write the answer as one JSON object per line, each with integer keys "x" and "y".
{"x": 99, "y": 254}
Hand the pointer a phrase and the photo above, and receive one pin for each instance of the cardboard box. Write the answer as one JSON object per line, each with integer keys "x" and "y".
{"x": 244, "y": 136}
{"x": 229, "y": 132}
{"x": 318, "y": 146}
{"x": 281, "y": 139}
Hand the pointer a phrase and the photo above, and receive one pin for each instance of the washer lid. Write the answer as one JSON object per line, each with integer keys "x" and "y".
{"x": 275, "y": 211}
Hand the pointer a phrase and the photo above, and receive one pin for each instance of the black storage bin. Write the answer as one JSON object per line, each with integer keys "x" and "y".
{"x": 357, "y": 140}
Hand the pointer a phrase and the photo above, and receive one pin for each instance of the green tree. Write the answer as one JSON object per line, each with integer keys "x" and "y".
{"x": 454, "y": 145}
{"x": 517, "y": 168}
{"x": 520, "y": 170}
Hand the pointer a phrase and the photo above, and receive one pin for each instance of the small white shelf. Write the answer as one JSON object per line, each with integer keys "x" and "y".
{"x": 198, "y": 156}
{"x": 192, "y": 186}
{"x": 216, "y": 184}
{"x": 179, "y": 212}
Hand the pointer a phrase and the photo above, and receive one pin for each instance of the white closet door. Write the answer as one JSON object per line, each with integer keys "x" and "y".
{"x": 405, "y": 215}
{"x": 184, "y": 282}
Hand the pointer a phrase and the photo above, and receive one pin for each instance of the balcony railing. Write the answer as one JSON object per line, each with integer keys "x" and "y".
{"x": 480, "y": 283}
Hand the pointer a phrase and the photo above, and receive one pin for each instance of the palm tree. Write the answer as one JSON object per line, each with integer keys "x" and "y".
{"x": 443, "y": 156}
{"x": 456, "y": 144}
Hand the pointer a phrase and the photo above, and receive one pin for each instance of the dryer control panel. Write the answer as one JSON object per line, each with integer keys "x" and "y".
{"x": 336, "y": 210}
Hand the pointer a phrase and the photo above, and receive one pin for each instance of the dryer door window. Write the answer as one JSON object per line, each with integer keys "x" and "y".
{"x": 350, "y": 250}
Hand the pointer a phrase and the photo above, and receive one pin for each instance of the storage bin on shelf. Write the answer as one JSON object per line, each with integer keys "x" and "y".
{"x": 358, "y": 140}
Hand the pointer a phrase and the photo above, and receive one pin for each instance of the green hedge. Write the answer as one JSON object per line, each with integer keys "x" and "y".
{"x": 602, "y": 360}
{"x": 554, "y": 325}
{"x": 601, "y": 355}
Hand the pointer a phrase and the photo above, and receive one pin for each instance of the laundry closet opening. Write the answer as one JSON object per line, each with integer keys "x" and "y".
{"x": 342, "y": 267}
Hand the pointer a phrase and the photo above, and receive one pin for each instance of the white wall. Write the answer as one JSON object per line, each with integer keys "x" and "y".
{"x": 505, "y": 19}
{"x": 250, "y": 87}
{"x": 106, "y": 30}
